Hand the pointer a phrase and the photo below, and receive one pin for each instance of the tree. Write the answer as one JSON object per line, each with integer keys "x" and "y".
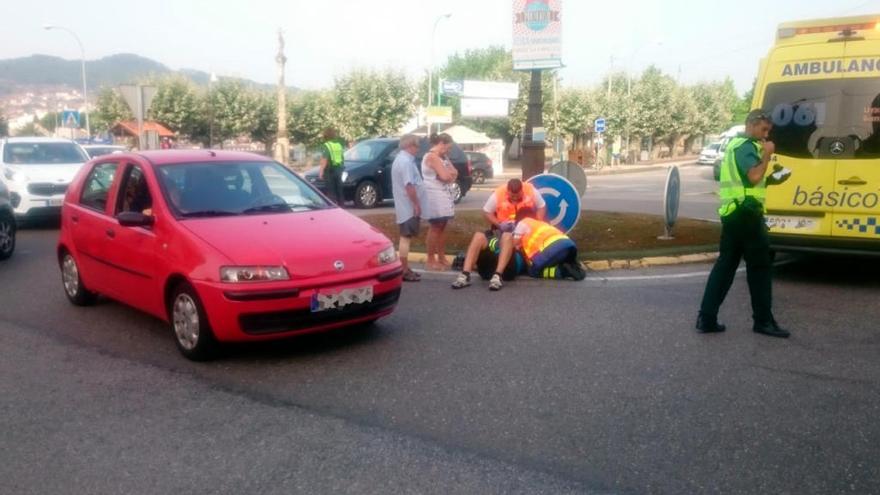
{"x": 233, "y": 109}
{"x": 4, "y": 126}
{"x": 109, "y": 109}
{"x": 743, "y": 106}
{"x": 309, "y": 113}
{"x": 369, "y": 104}
{"x": 265, "y": 128}
{"x": 179, "y": 107}
{"x": 654, "y": 98}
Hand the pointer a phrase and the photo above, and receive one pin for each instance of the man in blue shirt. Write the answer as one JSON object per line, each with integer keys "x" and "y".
{"x": 406, "y": 186}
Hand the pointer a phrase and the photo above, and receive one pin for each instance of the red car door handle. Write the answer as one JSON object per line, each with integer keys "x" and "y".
{"x": 111, "y": 233}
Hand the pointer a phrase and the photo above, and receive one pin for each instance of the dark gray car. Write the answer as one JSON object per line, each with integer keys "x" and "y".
{"x": 7, "y": 224}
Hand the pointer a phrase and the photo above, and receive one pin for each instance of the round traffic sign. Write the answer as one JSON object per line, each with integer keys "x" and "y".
{"x": 573, "y": 172}
{"x": 563, "y": 200}
{"x": 672, "y": 196}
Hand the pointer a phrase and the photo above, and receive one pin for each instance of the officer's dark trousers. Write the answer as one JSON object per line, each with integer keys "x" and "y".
{"x": 333, "y": 181}
{"x": 743, "y": 235}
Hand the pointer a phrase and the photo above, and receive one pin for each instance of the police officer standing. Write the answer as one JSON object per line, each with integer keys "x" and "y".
{"x": 332, "y": 165}
{"x": 743, "y": 190}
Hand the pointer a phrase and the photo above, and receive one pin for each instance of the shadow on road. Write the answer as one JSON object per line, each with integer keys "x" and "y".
{"x": 304, "y": 345}
{"x": 832, "y": 270}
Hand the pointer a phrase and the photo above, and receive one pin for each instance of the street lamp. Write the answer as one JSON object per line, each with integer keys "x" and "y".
{"x": 82, "y": 52}
{"x": 431, "y": 67}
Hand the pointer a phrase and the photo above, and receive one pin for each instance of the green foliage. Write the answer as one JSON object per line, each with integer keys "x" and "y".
{"x": 109, "y": 110}
{"x": 233, "y": 109}
{"x": 265, "y": 128}
{"x": 179, "y": 106}
{"x": 368, "y": 104}
{"x": 743, "y": 106}
{"x": 309, "y": 113}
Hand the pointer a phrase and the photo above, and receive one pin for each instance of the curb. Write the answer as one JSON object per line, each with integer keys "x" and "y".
{"x": 633, "y": 264}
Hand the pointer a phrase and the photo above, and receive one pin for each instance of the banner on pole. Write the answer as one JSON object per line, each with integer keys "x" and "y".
{"x": 537, "y": 34}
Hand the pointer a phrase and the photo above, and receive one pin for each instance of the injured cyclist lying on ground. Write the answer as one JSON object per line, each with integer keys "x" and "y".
{"x": 533, "y": 248}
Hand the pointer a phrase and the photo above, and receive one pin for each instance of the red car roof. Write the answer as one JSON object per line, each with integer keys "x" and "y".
{"x": 171, "y": 157}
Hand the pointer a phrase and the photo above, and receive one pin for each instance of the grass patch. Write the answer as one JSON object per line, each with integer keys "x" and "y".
{"x": 599, "y": 235}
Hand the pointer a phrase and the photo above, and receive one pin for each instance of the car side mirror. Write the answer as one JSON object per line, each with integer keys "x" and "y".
{"x": 135, "y": 219}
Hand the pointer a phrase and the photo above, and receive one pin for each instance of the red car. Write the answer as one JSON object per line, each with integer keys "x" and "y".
{"x": 224, "y": 246}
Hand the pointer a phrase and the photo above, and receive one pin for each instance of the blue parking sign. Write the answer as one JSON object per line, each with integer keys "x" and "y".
{"x": 563, "y": 200}
{"x": 600, "y": 125}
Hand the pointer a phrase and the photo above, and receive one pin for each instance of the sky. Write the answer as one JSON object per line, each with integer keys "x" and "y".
{"x": 692, "y": 40}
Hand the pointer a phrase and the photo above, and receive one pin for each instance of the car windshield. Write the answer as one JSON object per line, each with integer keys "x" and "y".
{"x": 837, "y": 119}
{"x": 366, "y": 151}
{"x": 713, "y": 147}
{"x": 43, "y": 153}
{"x": 241, "y": 188}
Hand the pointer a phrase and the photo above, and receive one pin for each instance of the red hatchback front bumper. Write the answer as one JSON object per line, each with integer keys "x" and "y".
{"x": 240, "y": 312}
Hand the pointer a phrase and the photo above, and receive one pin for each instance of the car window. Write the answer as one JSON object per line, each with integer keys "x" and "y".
{"x": 366, "y": 150}
{"x": 195, "y": 189}
{"x": 96, "y": 189}
{"x": 134, "y": 193}
{"x": 43, "y": 153}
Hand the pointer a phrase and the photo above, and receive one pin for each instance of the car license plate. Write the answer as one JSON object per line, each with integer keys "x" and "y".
{"x": 792, "y": 224}
{"x": 55, "y": 202}
{"x": 330, "y": 300}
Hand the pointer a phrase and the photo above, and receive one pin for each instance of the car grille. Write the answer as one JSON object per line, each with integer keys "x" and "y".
{"x": 46, "y": 189}
{"x": 288, "y": 321}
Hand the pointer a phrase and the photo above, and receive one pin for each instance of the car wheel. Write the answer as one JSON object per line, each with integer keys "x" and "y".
{"x": 479, "y": 177}
{"x": 456, "y": 192}
{"x": 366, "y": 195}
{"x": 74, "y": 288}
{"x": 189, "y": 323}
{"x": 7, "y": 236}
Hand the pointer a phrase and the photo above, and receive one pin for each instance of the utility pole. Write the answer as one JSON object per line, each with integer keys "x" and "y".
{"x": 533, "y": 151}
{"x": 282, "y": 142}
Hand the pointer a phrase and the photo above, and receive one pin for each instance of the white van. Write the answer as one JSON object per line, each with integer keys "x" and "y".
{"x": 37, "y": 171}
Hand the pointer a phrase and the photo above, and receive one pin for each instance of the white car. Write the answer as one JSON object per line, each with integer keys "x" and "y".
{"x": 709, "y": 154}
{"x": 37, "y": 171}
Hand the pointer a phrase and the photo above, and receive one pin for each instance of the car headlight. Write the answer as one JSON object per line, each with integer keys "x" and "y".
{"x": 387, "y": 255}
{"x": 345, "y": 176}
{"x": 14, "y": 175}
{"x": 241, "y": 274}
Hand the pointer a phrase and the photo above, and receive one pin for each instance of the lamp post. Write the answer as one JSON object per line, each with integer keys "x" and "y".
{"x": 82, "y": 52}
{"x": 431, "y": 67}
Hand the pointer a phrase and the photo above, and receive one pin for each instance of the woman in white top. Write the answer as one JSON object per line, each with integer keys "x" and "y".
{"x": 439, "y": 208}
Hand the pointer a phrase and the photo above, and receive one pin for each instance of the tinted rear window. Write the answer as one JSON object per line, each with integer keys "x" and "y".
{"x": 837, "y": 119}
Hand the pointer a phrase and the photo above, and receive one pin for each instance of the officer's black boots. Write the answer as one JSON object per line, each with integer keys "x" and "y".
{"x": 709, "y": 325}
{"x": 772, "y": 329}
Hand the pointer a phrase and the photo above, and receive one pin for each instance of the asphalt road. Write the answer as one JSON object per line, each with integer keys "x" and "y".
{"x": 640, "y": 192}
{"x": 545, "y": 387}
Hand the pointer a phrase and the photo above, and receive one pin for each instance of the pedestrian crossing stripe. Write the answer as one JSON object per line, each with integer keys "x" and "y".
{"x": 869, "y": 225}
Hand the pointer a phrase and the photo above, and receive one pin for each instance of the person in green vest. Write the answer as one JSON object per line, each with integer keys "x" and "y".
{"x": 743, "y": 190}
{"x": 332, "y": 165}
